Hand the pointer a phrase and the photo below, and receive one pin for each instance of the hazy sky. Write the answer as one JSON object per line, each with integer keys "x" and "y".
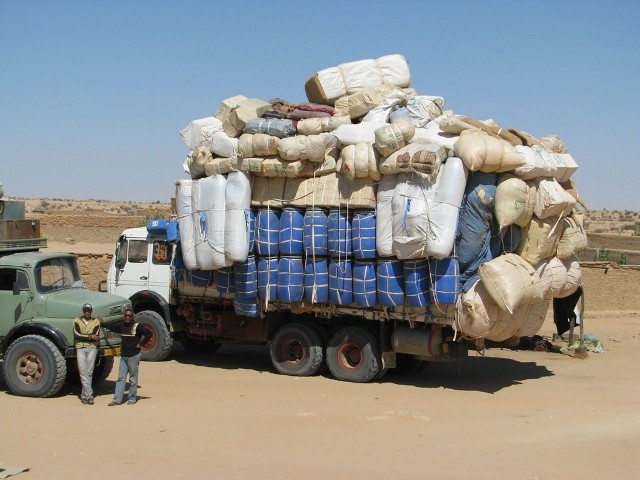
{"x": 93, "y": 94}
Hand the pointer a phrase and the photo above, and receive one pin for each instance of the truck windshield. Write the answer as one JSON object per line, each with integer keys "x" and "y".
{"x": 57, "y": 274}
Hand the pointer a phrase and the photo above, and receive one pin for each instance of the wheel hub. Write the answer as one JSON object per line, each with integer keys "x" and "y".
{"x": 350, "y": 356}
{"x": 30, "y": 368}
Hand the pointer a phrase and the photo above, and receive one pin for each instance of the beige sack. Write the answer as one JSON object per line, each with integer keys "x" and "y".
{"x": 509, "y": 280}
{"x": 573, "y": 238}
{"x": 514, "y": 202}
{"x": 552, "y": 200}
{"x": 534, "y": 319}
{"x": 574, "y": 278}
{"x": 539, "y": 239}
{"x": 480, "y": 151}
{"x": 551, "y": 277}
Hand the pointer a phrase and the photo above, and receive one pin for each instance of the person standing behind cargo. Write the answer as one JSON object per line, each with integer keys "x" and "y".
{"x": 86, "y": 333}
{"x": 134, "y": 336}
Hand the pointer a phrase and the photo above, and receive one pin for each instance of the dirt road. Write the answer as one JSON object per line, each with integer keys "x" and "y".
{"x": 507, "y": 414}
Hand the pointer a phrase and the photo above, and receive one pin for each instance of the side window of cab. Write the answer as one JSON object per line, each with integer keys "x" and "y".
{"x": 137, "y": 251}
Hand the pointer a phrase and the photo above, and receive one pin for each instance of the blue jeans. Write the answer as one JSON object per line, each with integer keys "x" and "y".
{"x": 127, "y": 365}
{"x": 86, "y": 357}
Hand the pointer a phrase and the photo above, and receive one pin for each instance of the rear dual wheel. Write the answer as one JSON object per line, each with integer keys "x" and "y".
{"x": 297, "y": 349}
{"x": 353, "y": 355}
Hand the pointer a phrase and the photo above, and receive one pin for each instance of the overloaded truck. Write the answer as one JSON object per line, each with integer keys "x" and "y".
{"x": 40, "y": 295}
{"x": 365, "y": 229}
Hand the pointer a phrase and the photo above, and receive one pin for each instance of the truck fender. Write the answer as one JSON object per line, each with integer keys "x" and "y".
{"x": 37, "y": 328}
{"x": 146, "y": 297}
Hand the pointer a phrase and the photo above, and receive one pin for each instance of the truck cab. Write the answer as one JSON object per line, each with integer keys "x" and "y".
{"x": 140, "y": 271}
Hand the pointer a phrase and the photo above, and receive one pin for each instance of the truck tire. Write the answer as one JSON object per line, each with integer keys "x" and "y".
{"x": 353, "y": 355}
{"x": 34, "y": 367}
{"x": 159, "y": 347}
{"x": 296, "y": 349}
{"x": 101, "y": 371}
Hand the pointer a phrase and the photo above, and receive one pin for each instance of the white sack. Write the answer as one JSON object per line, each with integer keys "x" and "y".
{"x": 200, "y": 131}
{"x": 236, "y": 224}
{"x": 384, "y": 215}
{"x": 184, "y": 211}
{"x": 209, "y": 222}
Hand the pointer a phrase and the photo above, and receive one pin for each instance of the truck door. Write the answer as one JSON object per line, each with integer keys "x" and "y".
{"x": 142, "y": 264}
{"x": 15, "y": 305}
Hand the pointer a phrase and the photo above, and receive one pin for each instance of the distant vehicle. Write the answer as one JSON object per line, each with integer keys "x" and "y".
{"x": 40, "y": 295}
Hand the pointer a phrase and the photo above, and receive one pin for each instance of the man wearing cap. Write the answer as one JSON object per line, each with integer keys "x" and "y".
{"x": 86, "y": 333}
{"x": 134, "y": 336}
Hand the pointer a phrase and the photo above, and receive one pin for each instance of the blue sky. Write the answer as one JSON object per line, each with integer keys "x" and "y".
{"x": 93, "y": 94}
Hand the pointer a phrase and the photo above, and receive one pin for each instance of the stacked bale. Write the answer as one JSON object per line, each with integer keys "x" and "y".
{"x": 371, "y": 196}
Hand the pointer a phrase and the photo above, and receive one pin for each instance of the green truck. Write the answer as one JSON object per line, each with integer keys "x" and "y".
{"x": 40, "y": 295}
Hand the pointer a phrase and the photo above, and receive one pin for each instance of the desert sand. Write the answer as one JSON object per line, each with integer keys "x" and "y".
{"x": 502, "y": 414}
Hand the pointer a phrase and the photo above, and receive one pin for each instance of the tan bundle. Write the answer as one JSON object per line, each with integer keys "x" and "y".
{"x": 356, "y": 193}
{"x": 299, "y": 192}
{"x": 509, "y": 280}
{"x": 196, "y": 161}
{"x": 326, "y": 193}
{"x": 539, "y": 239}
{"x": 480, "y": 151}
{"x": 220, "y": 166}
{"x": 573, "y": 238}
{"x": 245, "y": 110}
{"x": 514, "y": 201}
{"x": 311, "y": 169}
{"x": 416, "y": 157}
{"x": 257, "y": 145}
{"x": 315, "y": 126}
{"x": 267, "y": 192}
{"x": 303, "y": 147}
{"x": 360, "y": 161}
{"x": 277, "y": 167}
{"x": 393, "y": 137}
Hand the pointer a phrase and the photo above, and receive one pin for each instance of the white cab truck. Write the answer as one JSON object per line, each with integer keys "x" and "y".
{"x": 355, "y": 344}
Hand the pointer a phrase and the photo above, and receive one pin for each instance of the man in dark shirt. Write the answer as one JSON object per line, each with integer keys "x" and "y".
{"x": 134, "y": 336}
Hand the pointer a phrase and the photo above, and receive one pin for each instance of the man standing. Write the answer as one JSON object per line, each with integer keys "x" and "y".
{"x": 86, "y": 333}
{"x": 134, "y": 336}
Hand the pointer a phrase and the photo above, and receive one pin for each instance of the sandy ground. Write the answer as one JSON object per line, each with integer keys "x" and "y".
{"x": 507, "y": 414}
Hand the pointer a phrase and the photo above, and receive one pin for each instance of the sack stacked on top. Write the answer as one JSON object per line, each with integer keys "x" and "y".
{"x": 499, "y": 200}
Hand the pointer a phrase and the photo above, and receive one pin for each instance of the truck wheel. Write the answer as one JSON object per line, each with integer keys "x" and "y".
{"x": 353, "y": 355}
{"x": 34, "y": 367}
{"x": 159, "y": 347}
{"x": 102, "y": 370}
{"x": 296, "y": 349}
